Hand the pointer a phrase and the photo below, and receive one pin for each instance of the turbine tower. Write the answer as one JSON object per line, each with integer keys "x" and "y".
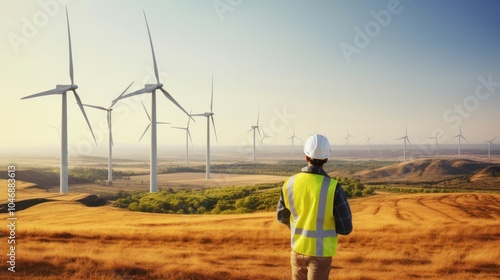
{"x": 347, "y": 140}
{"x": 62, "y": 90}
{"x": 255, "y": 127}
{"x": 209, "y": 116}
{"x": 147, "y": 127}
{"x": 460, "y": 136}
{"x": 110, "y": 149}
{"x": 490, "y": 146}
{"x": 152, "y": 88}
{"x": 188, "y": 135}
{"x": 368, "y": 138}
{"x": 292, "y": 141}
{"x": 405, "y": 138}
{"x": 437, "y": 144}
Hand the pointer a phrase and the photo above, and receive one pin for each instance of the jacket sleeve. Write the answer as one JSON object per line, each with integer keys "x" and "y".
{"x": 342, "y": 212}
{"x": 283, "y": 214}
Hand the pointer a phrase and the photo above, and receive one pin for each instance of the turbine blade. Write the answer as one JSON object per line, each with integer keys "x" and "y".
{"x": 408, "y": 140}
{"x": 152, "y": 50}
{"x": 189, "y": 135}
{"x": 215, "y": 130}
{"x": 212, "y": 96}
{"x": 250, "y": 130}
{"x": 147, "y": 127}
{"x": 146, "y": 111}
{"x": 71, "y": 74}
{"x": 189, "y": 119}
{"x": 493, "y": 138}
{"x": 167, "y": 95}
{"x": 464, "y": 139}
{"x": 163, "y": 123}
{"x": 79, "y": 101}
{"x": 258, "y": 116}
{"x": 119, "y": 97}
{"x": 177, "y": 127}
{"x": 58, "y": 90}
{"x": 137, "y": 92}
{"x": 95, "y": 107}
{"x": 258, "y": 130}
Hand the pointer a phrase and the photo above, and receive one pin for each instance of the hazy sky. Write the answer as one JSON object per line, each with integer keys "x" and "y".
{"x": 370, "y": 67}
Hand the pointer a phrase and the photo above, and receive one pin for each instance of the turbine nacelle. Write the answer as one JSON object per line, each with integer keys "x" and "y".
{"x": 157, "y": 86}
{"x": 70, "y": 87}
{"x": 206, "y": 114}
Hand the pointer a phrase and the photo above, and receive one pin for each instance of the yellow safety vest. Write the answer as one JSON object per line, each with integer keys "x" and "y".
{"x": 309, "y": 197}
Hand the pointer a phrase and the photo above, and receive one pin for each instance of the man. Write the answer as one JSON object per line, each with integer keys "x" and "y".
{"x": 315, "y": 208}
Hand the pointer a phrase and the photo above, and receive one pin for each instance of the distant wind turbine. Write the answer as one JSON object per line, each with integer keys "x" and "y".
{"x": 147, "y": 127}
{"x": 347, "y": 140}
{"x": 255, "y": 127}
{"x": 62, "y": 90}
{"x": 292, "y": 140}
{"x": 368, "y": 138}
{"x": 188, "y": 135}
{"x": 209, "y": 116}
{"x": 152, "y": 88}
{"x": 437, "y": 144}
{"x": 264, "y": 136}
{"x": 110, "y": 149}
{"x": 490, "y": 146}
{"x": 58, "y": 128}
{"x": 460, "y": 136}
{"x": 405, "y": 138}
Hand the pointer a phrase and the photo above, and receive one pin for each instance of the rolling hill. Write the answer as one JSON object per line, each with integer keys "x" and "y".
{"x": 436, "y": 171}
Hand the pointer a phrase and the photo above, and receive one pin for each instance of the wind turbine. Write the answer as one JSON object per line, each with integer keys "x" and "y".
{"x": 368, "y": 141}
{"x": 490, "y": 146}
{"x": 405, "y": 138}
{"x": 460, "y": 136}
{"x": 264, "y": 137}
{"x": 110, "y": 149}
{"x": 437, "y": 144}
{"x": 292, "y": 140}
{"x": 255, "y": 127}
{"x": 147, "y": 127}
{"x": 347, "y": 140}
{"x": 151, "y": 88}
{"x": 62, "y": 90}
{"x": 188, "y": 135}
{"x": 209, "y": 116}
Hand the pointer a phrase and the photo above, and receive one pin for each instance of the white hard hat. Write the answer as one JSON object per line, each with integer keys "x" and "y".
{"x": 317, "y": 147}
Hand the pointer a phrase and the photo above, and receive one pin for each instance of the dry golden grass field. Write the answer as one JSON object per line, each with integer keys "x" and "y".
{"x": 396, "y": 236}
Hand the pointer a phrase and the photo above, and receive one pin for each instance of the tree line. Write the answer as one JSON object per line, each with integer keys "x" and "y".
{"x": 217, "y": 200}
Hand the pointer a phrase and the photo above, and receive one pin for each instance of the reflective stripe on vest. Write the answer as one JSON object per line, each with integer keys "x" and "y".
{"x": 320, "y": 234}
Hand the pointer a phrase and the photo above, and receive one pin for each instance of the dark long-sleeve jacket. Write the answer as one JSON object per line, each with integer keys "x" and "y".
{"x": 341, "y": 209}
